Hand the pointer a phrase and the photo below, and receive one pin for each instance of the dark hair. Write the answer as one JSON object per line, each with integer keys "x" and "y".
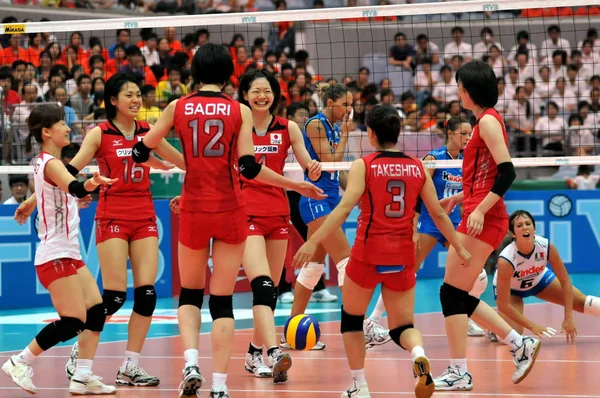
{"x": 454, "y": 123}
{"x": 246, "y": 83}
{"x": 332, "y": 92}
{"x": 17, "y": 178}
{"x": 212, "y": 64}
{"x": 295, "y": 107}
{"x": 385, "y": 122}
{"x": 479, "y": 80}
{"x": 41, "y": 117}
{"x": 113, "y": 87}
{"x": 70, "y": 150}
{"x": 517, "y": 214}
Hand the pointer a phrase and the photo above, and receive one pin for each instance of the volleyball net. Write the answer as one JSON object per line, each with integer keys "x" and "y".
{"x": 546, "y": 60}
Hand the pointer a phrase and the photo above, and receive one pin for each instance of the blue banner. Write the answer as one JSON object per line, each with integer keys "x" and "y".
{"x": 559, "y": 214}
{"x": 19, "y": 285}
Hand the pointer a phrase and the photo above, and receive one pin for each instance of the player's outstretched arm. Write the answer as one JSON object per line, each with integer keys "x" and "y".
{"x": 310, "y": 166}
{"x": 562, "y": 274}
{"x": 89, "y": 147}
{"x": 505, "y": 272}
{"x": 169, "y": 153}
{"x": 440, "y": 218}
{"x": 25, "y": 209}
{"x": 491, "y": 132}
{"x": 250, "y": 169}
{"x": 141, "y": 150}
{"x": 56, "y": 172}
{"x": 354, "y": 190}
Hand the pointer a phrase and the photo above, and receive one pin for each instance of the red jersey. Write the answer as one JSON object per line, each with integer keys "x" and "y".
{"x": 208, "y": 124}
{"x": 480, "y": 170}
{"x": 130, "y": 197}
{"x": 271, "y": 150}
{"x": 393, "y": 182}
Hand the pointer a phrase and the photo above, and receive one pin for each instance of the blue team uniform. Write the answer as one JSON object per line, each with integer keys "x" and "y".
{"x": 447, "y": 182}
{"x": 311, "y": 209}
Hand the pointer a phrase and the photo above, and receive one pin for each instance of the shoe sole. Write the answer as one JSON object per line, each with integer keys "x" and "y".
{"x": 260, "y": 375}
{"x": 191, "y": 385}
{"x": 280, "y": 369}
{"x": 123, "y": 383}
{"x": 536, "y": 351}
{"x": 7, "y": 372}
{"x": 92, "y": 393}
{"x": 425, "y": 386}
{"x": 452, "y": 388}
{"x": 476, "y": 334}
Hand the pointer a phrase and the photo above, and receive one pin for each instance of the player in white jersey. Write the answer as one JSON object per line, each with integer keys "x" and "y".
{"x": 58, "y": 263}
{"x": 523, "y": 272}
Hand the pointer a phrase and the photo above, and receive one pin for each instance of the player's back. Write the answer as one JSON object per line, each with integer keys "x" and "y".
{"x": 393, "y": 182}
{"x": 480, "y": 170}
{"x": 271, "y": 150}
{"x": 58, "y": 228}
{"x": 130, "y": 197}
{"x": 208, "y": 124}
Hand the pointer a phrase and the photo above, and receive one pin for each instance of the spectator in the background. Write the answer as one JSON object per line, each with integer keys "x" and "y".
{"x": 544, "y": 86}
{"x": 202, "y": 37}
{"x": 520, "y": 119}
{"x": 590, "y": 58}
{"x": 150, "y": 49}
{"x": 123, "y": 39}
{"x": 149, "y": 112}
{"x": 564, "y": 97}
{"x": 71, "y": 118}
{"x": 424, "y": 48}
{"x": 551, "y": 128}
{"x": 82, "y": 99}
{"x": 171, "y": 87}
{"x": 530, "y": 48}
{"x": 425, "y": 81}
{"x": 497, "y": 60}
{"x": 302, "y": 59}
{"x": 14, "y": 51}
{"x": 585, "y": 180}
{"x": 171, "y": 36}
{"x": 401, "y": 54}
{"x": 581, "y": 139}
{"x": 457, "y": 46}
{"x": 592, "y": 36}
{"x": 525, "y": 68}
{"x": 445, "y": 90}
{"x": 282, "y": 35}
{"x": 482, "y": 47}
{"x": 553, "y": 43}
{"x": 558, "y": 67}
{"x": 18, "y": 185}
{"x": 11, "y": 97}
{"x": 21, "y": 113}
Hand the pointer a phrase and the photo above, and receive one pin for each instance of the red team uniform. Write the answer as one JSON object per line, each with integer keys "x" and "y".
{"x": 267, "y": 206}
{"x": 125, "y": 208}
{"x": 384, "y": 251}
{"x": 479, "y": 174}
{"x": 208, "y": 124}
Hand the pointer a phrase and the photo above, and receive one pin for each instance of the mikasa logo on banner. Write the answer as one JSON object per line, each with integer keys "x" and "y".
{"x": 275, "y": 138}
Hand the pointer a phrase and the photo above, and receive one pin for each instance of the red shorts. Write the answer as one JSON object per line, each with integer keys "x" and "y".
{"x": 494, "y": 230}
{"x": 276, "y": 228}
{"x": 56, "y": 269}
{"x": 197, "y": 229}
{"x": 365, "y": 275}
{"x": 128, "y": 230}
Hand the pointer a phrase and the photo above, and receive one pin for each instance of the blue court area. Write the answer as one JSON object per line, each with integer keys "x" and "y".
{"x": 18, "y": 327}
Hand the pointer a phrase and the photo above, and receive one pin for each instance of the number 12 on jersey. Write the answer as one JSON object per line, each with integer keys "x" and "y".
{"x": 213, "y": 148}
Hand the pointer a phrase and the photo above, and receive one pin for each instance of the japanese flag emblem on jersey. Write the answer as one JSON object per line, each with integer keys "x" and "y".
{"x": 275, "y": 139}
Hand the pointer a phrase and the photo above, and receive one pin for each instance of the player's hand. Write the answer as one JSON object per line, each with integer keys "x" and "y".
{"x": 345, "y": 127}
{"x": 163, "y": 165}
{"x": 309, "y": 190}
{"x": 304, "y": 254}
{"x": 24, "y": 210}
{"x": 174, "y": 204}
{"x": 314, "y": 170}
{"x": 84, "y": 203}
{"x": 465, "y": 256}
{"x": 568, "y": 327}
{"x": 542, "y": 331}
{"x": 448, "y": 204}
{"x": 475, "y": 223}
{"x": 101, "y": 180}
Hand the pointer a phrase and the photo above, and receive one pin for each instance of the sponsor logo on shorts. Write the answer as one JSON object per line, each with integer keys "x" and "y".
{"x": 284, "y": 231}
{"x": 152, "y": 228}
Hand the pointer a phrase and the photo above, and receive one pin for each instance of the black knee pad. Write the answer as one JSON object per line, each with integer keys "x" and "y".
{"x": 453, "y": 300}
{"x": 351, "y": 323}
{"x": 263, "y": 291}
{"x": 113, "y": 301}
{"x": 193, "y": 297}
{"x": 60, "y": 331}
{"x": 274, "y": 302}
{"x": 471, "y": 304}
{"x": 397, "y": 332}
{"x": 96, "y": 316}
{"x": 220, "y": 307}
{"x": 144, "y": 300}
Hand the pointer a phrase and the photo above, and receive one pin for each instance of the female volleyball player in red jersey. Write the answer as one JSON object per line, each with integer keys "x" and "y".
{"x": 268, "y": 216}
{"x": 386, "y": 185}
{"x": 487, "y": 174}
{"x": 215, "y": 130}
{"x": 58, "y": 263}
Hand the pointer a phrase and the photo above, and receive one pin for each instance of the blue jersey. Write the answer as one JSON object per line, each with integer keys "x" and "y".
{"x": 447, "y": 182}
{"x": 329, "y": 181}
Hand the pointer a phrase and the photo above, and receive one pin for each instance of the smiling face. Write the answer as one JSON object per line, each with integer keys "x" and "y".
{"x": 260, "y": 95}
{"x": 58, "y": 134}
{"x": 129, "y": 100}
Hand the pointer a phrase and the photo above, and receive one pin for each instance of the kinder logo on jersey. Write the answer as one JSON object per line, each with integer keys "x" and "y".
{"x": 535, "y": 270}
{"x": 265, "y": 149}
{"x": 275, "y": 138}
{"x": 124, "y": 152}
{"x": 451, "y": 177}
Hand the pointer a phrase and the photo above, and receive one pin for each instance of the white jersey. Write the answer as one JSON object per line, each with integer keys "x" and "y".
{"x": 58, "y": 218}
{"x": 528, "y": 269}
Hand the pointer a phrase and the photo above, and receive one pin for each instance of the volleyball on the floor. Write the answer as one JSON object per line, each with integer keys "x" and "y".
{"x": 302, "y": 332}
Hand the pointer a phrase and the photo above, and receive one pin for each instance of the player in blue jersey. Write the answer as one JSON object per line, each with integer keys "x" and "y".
{"x": 326, "y": 142}
{"x": 447, "y": 182}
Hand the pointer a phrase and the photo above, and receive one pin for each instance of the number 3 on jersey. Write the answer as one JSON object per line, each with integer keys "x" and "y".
{"x": 213, "y": 148}
{"x": 396, "y": 208}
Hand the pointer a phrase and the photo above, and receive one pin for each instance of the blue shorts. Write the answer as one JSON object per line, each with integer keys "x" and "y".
{"x": 427, "y": 226}
{"x": 311, "y": 209}
{"x": 546, "y": 280}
